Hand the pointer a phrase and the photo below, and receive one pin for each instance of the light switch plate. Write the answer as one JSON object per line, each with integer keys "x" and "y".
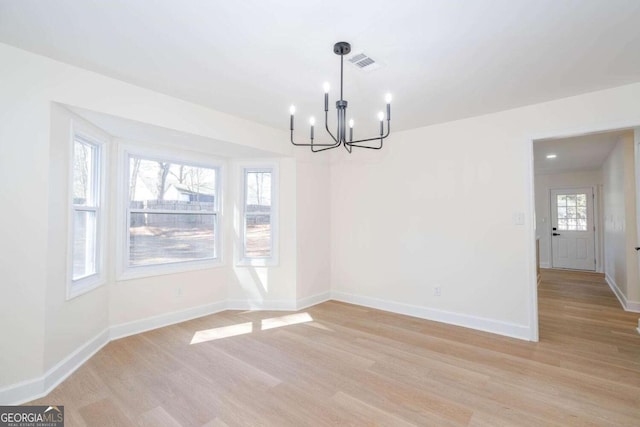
{"x": 518, "y": 218}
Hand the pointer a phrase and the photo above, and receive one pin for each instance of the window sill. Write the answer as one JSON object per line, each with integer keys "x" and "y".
{"x": 132, "y": 273}
{"x": 84, "y": 285}
{"x": 257, "y": 262}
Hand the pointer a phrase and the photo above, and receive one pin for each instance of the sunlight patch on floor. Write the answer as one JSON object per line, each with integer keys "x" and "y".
{"x": 291, "y": 319}
{"x": 247, "y": 327}
{"x": 222, "y": 332}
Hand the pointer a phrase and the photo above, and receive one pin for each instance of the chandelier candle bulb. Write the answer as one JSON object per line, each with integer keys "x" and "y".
{"x": 387, "y": 98}
{"x": 350, "y": 130}
{"x": 312, "y": 122}
{"x": 326, "y": 88}
{"x": 292, "y": 110}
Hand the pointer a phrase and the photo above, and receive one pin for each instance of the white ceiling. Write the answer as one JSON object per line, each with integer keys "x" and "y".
{"x": 579, "y": 153}
{"x": 442, "y": 59}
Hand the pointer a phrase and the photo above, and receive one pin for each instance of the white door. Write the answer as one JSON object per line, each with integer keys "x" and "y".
{"x": 572, "y": 229}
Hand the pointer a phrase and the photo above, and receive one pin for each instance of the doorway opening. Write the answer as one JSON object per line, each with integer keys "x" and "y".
{"x": 585, "y": 205}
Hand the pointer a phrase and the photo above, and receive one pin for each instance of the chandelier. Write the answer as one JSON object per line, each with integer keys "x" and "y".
{"x": 342, "y": 49}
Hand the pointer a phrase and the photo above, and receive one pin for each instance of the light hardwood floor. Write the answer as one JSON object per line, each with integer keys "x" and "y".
{"x": 351, "y": 365}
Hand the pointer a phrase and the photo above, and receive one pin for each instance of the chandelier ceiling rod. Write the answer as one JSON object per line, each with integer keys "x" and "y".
{"x": 342, "y": 49}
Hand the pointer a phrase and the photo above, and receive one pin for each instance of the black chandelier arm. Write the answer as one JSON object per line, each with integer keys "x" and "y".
{"x": 348, "y": 147}
{"x": 312, "y": 144}
{"x": 354, "y": 143}
{"x": 326, "y": 126}
{"x": 367, "y": 146}
{"x": 324, "y": 149}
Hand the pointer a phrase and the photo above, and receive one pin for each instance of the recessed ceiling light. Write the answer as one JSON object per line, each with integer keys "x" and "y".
{"x": 551, "y": 156}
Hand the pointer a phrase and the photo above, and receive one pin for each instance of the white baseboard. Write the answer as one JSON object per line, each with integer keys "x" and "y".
{"x": 24, "y": 391}
{"x": 138, "y": 326}
{"x": 66, "y": 367}
{"x": 39, "y": 387}
{"x": 278, "y": 305}
{"x": 270, "y": 305}
{"x": 309, "y": 301}
{"x": 545, "y": 265}
{"x": 632, "y": 306}
{"x": 488, "y": 325}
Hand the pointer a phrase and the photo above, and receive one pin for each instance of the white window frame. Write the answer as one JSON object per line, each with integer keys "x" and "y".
{"x": 85, "y": 284}
{"x": 273, "y": 259}
{"x": 126, "y": 272}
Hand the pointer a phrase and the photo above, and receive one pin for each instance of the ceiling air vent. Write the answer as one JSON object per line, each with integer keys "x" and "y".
{"x": 364, "y": 62}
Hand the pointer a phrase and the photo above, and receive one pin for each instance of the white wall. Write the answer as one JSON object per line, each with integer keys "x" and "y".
{"x": 24, "y": 171}
{"x": 543, "y": 184}
{"x": 40, "y": 328}
{"x": 620, "y": 263}
{"x": 313, "y": 229}
{"x": 436, "y": 208}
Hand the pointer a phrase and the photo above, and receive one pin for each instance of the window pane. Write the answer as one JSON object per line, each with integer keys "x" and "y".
{"x": 84, "y": 173}
{"x": 571, "y": 199}
{"x": 170, "y": 186}
{"x": 582, "y": 212}
{"x": 84, "y": 244}
{"x": 258, "y": 214}
{"x": 581, "y": 199}
{"x": 582, "y": 225}
{"x": 165, "y": 238}
{"x": 562, "y": 224}
{"x": 562, "y": 212}
{"x": 561, "y": 200}
{"x": 258, "y": 191}
{"x": 258, "y": 236}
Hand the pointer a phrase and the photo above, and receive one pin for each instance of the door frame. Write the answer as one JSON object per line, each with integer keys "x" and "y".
{"x": 636, "y": 165}
{"x": 531, "y": 206}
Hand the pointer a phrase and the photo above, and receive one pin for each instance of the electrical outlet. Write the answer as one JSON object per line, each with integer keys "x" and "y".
{"x": 437, "y": 291}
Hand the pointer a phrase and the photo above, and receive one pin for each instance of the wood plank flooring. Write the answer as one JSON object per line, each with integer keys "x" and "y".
{"x": 341, "y": 364}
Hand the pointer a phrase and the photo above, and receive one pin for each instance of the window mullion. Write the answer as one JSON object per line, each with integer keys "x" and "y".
{"x": 170, "y": 212}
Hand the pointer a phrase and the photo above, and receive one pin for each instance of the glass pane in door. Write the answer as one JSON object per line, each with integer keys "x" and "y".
{"x": 572, "y": 212}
